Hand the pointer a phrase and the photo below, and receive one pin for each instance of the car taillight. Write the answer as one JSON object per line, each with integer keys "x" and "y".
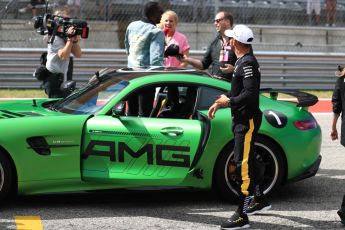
{"x": 305, "y": 125}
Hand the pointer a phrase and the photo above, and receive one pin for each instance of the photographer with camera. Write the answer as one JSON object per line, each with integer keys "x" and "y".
{"x": 59, "y": 50}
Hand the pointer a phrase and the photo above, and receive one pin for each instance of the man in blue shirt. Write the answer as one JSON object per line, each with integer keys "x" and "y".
{"x": 144, "y": 41}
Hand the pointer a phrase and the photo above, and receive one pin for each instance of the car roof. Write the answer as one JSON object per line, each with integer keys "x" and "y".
{"x": 166, "y": 75}
{"x": 163, "y": 69}
{"x": 134, "y": 73}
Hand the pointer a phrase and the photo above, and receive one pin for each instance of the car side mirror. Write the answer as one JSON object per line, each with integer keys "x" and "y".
{"x": 119, "y": 109}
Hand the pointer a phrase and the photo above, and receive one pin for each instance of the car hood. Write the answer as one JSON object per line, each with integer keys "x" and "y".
{"x": 24, "y": 108}
{"x": 12, "y": 114}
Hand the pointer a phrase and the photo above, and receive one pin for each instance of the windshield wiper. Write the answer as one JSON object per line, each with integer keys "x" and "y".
{"x": 95, "y": 79}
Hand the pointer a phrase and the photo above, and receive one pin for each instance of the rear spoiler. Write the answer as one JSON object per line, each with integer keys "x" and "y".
{"x": 303, "y": 99}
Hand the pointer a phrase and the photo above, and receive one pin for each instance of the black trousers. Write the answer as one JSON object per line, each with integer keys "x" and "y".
{"x": 244, "y": 154}
{"x": 343, "y": 203}
{"x": 141, "y": 103}
{"x": 248, "y": 172}
{"x": 52, "y": 85}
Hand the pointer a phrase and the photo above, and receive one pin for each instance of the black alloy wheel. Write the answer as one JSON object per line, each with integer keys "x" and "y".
{"x": 271, "y": 162}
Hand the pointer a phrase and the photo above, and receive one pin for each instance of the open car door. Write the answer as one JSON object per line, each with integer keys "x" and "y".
{"x": 144, "y": 151}
{"x": 139, "y": 151}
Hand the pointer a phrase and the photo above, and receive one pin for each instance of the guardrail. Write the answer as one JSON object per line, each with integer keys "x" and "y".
{"x": 282, "y": 70}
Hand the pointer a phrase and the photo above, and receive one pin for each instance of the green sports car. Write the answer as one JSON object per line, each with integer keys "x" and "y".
{"x": 88, "y": 141}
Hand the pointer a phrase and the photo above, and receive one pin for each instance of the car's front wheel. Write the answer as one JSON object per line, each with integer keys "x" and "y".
{"x": 271, "y": 162}
{"x": 5, "y": 177}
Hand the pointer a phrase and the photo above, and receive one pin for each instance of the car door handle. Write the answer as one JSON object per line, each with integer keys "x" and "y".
{"x": 172, "y": 131}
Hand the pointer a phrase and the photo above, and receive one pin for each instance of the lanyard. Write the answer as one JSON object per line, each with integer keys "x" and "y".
{"x": 224, "y": 52}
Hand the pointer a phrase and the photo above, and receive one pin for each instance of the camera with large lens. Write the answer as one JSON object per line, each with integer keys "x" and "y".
{"x": 57, "y": 25}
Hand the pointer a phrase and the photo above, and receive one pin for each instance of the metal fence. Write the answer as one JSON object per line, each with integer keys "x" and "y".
{"x": 281, "y": 70}
{"x": 272, "y": 12}
{"x": 122, "y": 12}
{"x": 276, "y": 12}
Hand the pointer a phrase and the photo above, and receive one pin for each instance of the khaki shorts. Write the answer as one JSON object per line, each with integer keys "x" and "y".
{"x": 314, "y": 5}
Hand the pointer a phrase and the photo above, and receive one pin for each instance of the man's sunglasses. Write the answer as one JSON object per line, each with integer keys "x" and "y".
{"x": 218, "y": 20}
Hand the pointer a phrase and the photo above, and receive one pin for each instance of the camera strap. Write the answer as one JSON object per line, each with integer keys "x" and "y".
{"x": 52, "y": 38}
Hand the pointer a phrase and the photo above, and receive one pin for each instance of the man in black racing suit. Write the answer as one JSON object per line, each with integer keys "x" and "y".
{"x": 243, "y": 99}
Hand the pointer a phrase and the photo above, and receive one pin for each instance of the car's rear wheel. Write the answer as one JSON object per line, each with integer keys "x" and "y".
{"x": 269, "y": 157}
{"x": 5, "y": 177}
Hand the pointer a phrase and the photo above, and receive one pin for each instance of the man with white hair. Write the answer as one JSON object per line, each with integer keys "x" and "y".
{"x": 243, "y": 99}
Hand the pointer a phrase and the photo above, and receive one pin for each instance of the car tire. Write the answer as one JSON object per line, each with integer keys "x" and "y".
{"x": 268, "y": 154}
{"x": 5, "y": 177}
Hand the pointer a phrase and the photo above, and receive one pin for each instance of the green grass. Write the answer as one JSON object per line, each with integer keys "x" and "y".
{"x": 22, "y": 93}
{"x": 321, "y": 94}
{"x": 39, "y": 93}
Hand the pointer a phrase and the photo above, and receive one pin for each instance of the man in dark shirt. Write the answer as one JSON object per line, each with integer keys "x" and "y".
{"x": 219, "y": 53}
{"x": 338, "y": 102}
{"x": 243, "y": 99}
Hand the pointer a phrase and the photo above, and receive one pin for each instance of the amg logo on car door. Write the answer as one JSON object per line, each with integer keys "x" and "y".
{"x": 178, "y": 160}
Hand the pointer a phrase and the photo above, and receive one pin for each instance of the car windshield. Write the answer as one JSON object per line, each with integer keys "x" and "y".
{"x": 92, "y": 97}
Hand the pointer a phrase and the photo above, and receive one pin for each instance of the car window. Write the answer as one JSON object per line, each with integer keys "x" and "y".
{"x": 207, "y": 97}
{"x": 91, "y": 98}
{"x": 167, "y": 101}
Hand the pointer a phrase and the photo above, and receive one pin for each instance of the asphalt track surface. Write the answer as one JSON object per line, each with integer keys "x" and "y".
{"x": 308, "y": 204}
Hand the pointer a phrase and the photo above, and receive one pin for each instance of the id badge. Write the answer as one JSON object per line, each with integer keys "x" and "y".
{"x": 226, "y": 53}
